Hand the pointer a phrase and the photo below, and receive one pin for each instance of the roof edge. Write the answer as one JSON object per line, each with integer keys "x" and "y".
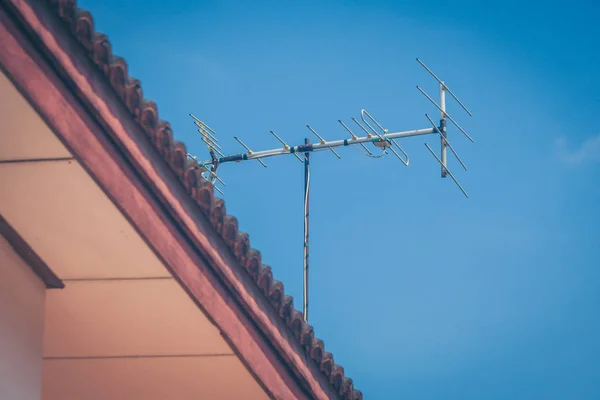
{"x": 80, "y": 24}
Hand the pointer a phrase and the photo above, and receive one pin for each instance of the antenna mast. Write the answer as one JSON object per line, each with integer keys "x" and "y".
{"x": 375, "y": 134}
{"x": 306, "y": 214}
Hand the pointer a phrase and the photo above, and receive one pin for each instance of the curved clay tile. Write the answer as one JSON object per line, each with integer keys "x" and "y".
{"x": 145, "y": 112}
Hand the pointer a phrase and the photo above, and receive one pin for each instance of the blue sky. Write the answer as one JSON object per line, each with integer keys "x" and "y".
{"x": 418, "y": 292}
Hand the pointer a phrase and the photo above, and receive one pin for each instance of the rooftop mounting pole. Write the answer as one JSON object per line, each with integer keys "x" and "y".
{"x": 443, "y": 127}
{"x": 306, "y": 207}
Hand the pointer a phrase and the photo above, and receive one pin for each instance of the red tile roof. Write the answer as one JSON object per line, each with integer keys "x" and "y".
{"x": 145, "y": 112}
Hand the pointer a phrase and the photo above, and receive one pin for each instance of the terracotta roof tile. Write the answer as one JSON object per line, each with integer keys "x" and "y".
{"x": 160, "y": 134}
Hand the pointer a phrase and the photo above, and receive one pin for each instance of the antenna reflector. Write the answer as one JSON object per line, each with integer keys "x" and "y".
{"x": 446, "y": 114}
{"x": 249, "y": 151}
{"x": 446, "y": 88}
{"x": 323, "y": 141}
{"x": 447, "y": 170}
{"x": 445, "y": 139}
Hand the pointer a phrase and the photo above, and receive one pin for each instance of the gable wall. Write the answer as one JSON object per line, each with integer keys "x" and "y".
{"x": 22, "y": 296}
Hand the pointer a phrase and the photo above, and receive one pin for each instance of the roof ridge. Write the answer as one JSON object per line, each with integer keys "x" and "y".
{"x": 145, "y": 112}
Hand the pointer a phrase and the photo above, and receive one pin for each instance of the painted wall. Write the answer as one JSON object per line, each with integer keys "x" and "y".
{"x": 22, "y": 296}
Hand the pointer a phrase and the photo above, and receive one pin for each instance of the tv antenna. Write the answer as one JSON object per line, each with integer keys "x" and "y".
{"x": 384, "y": 143}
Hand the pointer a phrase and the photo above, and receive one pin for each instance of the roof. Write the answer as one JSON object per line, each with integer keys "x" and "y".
{"x": 145, "y": 113}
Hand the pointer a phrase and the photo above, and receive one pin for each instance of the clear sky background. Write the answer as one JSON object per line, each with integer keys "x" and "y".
{"x": 418, "y": 292}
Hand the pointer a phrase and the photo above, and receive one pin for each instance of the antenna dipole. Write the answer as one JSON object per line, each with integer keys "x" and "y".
{"x": 376, "y": 134}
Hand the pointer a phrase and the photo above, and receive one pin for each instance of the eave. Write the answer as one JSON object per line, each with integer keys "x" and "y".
{"x": 30, "y": 257}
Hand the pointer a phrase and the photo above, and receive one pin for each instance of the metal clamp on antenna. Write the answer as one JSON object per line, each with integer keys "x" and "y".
{"x": 249, "y": 151}
{"x": 446, "y": 114}
{"x": 286, "y": 147}
{"x": 323, "y": 141}
{"x": 445, "y": 139}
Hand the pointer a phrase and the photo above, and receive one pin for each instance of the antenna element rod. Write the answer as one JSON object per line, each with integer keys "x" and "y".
{"x": 445, "y": 87}
{"x": 447, "y": 115}
{"x": 447, "y": 171}
{"x": 447, "y": 143}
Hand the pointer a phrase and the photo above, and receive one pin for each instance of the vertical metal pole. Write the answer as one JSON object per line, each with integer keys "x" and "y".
{"x": 443, "y": 127}
{"x": 306, "y": 208}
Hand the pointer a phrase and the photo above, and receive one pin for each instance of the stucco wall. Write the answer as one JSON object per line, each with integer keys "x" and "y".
{"x": 22, "y": 296}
